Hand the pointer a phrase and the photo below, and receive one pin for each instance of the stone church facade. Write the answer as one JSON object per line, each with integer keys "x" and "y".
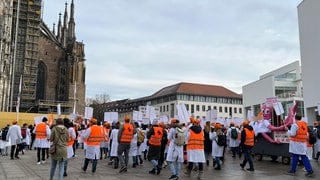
{"x": 59, "y": 61}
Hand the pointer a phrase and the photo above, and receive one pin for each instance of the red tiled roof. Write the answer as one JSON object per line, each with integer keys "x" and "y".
{"x": 196, "y": 89}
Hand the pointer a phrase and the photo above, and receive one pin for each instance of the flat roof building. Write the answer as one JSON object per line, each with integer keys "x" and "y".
{"x": 309, "y": 32}
{"x": 284, "y": 83}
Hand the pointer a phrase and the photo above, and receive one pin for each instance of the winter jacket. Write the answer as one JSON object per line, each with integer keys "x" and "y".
{"x": 59, "y": 136}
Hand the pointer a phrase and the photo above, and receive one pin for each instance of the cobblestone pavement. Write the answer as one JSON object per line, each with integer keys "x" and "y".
{"x": 26, "y": 168}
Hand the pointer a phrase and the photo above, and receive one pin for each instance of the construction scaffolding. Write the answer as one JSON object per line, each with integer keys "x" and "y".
{"x": 27, "y": 51}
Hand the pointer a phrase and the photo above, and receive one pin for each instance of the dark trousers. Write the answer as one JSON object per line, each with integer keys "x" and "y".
{"x": 247, "y": 157}
{"x": 190, "y": 166}
{"x": 94, "y": 164}
{"x": 14, "y": 150}
{"x": 41, "y": 151}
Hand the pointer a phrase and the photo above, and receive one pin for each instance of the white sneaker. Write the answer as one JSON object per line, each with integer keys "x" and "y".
{"x": 38, "y": 163}
{"x": 42, "y": 162}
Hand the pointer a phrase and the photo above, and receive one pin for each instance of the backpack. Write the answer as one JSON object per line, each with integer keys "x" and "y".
{"x": 234, "y": 133}
{"x": 141, "y": 136}
{"x": 180, "y": 138}
{"x": 222, "y": 140}
{"x": 4, "y": 134}
{"x": 23, "y": 133}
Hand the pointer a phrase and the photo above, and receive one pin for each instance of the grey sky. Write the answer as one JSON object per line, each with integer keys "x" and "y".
{"x": 136, "y": 47}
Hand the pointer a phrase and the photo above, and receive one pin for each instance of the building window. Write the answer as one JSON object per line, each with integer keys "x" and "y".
{"x": 225, "y": 109}
{"x": 220, "y": 109}
{"x": 160, "y": 108}
{"x": 209, "y": 108}
{"x": 167, "y": 107}
{"x": 197, "y": 108}
{"x": 187, "y": 107}
{"x": 235, "y": 110}
{"x": 215, "y": 107}
{"x": 172, "y": 110}
{"x": 164, "y": 109}
{"x": 240, "y": 110}
{"x": 192, "y": 108}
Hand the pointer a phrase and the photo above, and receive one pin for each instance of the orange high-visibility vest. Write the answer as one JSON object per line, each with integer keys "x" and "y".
{"x": 106, "y": 134}
{"x": 71, "y": 140}
{"x": 127, "y": 133}
{"x": 41, "y": 131}
{"x": 249, "y": 137}
{"x": 95, "y": 137}
{"x": 155, "y": 139}
{"x": 196, "y": 141}
{"x": 302, "y": 132}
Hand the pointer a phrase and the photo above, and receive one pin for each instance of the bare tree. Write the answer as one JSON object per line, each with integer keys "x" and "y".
{"x": 98, "y": 103}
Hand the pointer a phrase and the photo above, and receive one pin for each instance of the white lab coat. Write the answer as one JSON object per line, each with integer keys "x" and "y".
{"x": 175, "y": 153}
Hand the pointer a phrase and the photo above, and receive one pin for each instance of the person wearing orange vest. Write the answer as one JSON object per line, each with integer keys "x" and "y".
{"x": 195, "y": 148}
{"x": 154, "y": 137}
{"x": 41, "y": 142}
{"x": 104, "y": 146}
{"x": 72, "y": 136}
{"x": 94, "y": 136}
{"x": 298, "y": 133}
{"x": 247, "y": 142}
{"x": 125, "y": 136}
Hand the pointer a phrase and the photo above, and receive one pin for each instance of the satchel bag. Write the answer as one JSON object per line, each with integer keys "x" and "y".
{"x": 52, "y": 149}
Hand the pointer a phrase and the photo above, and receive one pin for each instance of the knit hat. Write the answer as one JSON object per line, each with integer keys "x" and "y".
{"x": 127, "y": 118}
{"x": 93, "y": 121}
{"x": 245, "y": 122}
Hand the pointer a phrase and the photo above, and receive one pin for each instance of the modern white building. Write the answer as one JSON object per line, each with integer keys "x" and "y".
{"x": 309, "y": 32}
{"x": 284, "y": 83}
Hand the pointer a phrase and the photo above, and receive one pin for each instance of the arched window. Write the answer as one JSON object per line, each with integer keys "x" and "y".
{"x": 41, "y": 80}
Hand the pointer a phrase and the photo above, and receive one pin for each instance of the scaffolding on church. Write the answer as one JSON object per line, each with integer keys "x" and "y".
{"x": 28, "y": 16}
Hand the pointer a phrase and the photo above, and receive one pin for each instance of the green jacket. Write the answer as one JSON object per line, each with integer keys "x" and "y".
{"x": 59, "y": 136}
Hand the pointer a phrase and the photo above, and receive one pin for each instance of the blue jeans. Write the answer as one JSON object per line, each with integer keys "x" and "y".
{"x": 53, "y": 168}
{"x": 175, "y": 170}
{"x": 305, "y": 161}
{"x": 154, "y": 163}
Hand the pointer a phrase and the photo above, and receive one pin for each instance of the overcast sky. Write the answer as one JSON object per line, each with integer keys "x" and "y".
{"x": 136, "y": 47}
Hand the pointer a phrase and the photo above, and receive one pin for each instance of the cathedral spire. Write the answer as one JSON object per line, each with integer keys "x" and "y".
{"x": 71, "y": 25}
{"x": 65, "y": 17}
{"x": 54, "y": 29}
{"x": 59, "y": 28}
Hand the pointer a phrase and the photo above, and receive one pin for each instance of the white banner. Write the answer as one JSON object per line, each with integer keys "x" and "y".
{"x": 111, "y": 117}
{"x": 183, "y": 114}
{"x": 211, "y": 115}
{"x": 59, "y": 109}
{"x": 277, "y": 106}
{"x": 38, "y": 119}
{"x": 250, "y": 115}
{"x": 164, "y": 119}
{"x": 88, "y": 114}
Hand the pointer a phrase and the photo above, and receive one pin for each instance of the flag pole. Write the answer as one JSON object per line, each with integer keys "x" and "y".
{"x": 18, "y": 100}
{"x": 74, "y": 97}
